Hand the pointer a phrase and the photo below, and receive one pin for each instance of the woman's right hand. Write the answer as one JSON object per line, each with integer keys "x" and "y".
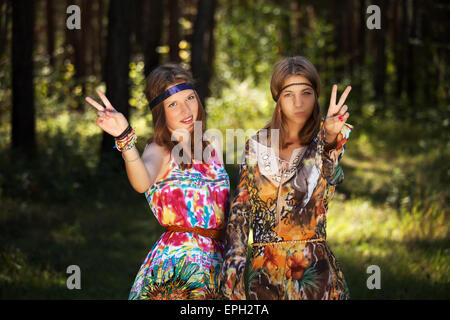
{"x": 109, "y": 119}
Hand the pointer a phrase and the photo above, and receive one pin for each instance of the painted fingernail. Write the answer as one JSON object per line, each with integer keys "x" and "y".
{"x": 340, "y": 118}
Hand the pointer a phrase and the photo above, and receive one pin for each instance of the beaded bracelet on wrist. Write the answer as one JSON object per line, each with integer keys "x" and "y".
{"x": 124, "y": 133}
{"x": 127, "y": 142}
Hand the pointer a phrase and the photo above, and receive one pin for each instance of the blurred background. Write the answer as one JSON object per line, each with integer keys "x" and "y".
{"x": 64, "y": 194}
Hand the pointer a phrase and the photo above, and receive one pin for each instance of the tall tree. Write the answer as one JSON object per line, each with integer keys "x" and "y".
{"x": 154, "y": 10}
{"x": 5, "y": 13}
{"x": 301, "y": 25}
{"x": 174, "y": 30}
{"x": 117, "y": 64}
{"x": 100, "y": 41}
{"x": 82, "y": 50}
{"x": 23, "y": 113}
{"x": 410, "y": 58}
{"x": 400, "y": 39}
{"x": 50, "y": 31}
{"x": 285, "y": 45}
{"x": 203, "y": 46}
{"x": 77, "y": 40}
{"x": 361, "y": 55}
{"x": 380, "y": 52}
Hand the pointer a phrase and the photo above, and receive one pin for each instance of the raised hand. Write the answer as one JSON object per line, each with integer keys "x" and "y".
{"x": 109, "y": 119}
{"x": 337, "y": 114}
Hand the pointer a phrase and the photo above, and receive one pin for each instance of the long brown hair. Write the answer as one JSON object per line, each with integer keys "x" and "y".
{"x": 283, "y": 69}
{"x": 156, "y": 83}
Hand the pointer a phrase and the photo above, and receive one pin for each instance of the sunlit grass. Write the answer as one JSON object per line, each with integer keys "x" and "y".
{"x": 109, "y": 239}
{"x": 391, "y": 210}
{"x": 411, "y": 249}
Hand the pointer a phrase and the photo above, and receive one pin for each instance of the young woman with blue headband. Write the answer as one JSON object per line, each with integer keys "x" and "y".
{"x": 188, "y": 196}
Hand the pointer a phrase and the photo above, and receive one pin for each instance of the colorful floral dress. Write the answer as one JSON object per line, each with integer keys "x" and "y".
{"x": 285, "y": 205}
{"x": 184, "y": 265}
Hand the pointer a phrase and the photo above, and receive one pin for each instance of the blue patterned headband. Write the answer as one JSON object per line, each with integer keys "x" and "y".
{"x": 169, "y": 92}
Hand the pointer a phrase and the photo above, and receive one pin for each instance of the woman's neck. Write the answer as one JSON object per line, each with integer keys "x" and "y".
{"x": 293, "y": 130}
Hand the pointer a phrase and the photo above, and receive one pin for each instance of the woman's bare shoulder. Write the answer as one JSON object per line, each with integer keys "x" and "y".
{"x": 155, "y": 149}
{"x": 156, "y": 160}
{"x": 155, "y": 154}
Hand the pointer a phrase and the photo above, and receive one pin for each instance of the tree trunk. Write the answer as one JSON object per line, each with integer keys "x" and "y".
{"x": 100, "y": 41}
{"x": 285, "y": 47}
{"x": 361, "y": 56}
{"x": 50, "y": 30}
{"x": 400, "y": 42}
{"x": 23, "y": 113}
{"x": 380, "y": 53}
{"x": 154, "y": 10}
{"x": 336, "y": 16}
{"x": 301, "y": 26}
{"x": 69, "y": 37}
{"x": 174, "y": 30}
{"x": 5, "y": 13}
{"x": 352, "y": 33}
{"x": 138, "y": 22}
{"x": 201, "y": 60}
{"x": 410, "y": 61}
{"x": 117, "y": 66}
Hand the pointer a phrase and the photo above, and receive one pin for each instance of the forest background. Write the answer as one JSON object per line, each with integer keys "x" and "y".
{"x": 64, "y": 194}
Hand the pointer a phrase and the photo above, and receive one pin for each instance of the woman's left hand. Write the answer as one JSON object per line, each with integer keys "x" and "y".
{"x": 337, "y": 115}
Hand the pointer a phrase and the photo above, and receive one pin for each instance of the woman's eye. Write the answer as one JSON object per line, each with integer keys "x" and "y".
{"x": 287, "y": 95}
{"x": 190, "y": 97}
{"x": 307, "y": 92}
{"x": 172, "y": 104}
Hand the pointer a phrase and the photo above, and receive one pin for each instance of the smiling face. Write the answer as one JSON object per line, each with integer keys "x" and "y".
{"x": 181, "y": 110}
{"x": 297, "y": 101}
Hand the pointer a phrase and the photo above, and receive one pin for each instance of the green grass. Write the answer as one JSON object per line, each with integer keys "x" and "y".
{"x": 108, "y": 242}
{"x": 60, "y": 210}
{"x": 413, "y": 252}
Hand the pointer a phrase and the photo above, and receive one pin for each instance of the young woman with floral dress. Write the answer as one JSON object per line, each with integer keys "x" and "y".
{"x": 188, "y": 195}
{"x": 288, "y": 176}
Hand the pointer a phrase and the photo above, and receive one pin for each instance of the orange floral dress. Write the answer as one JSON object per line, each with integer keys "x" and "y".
{"x": 285, "y": 205}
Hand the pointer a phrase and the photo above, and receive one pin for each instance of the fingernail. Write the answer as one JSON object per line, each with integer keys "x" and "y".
{"x": 340, "y": 118}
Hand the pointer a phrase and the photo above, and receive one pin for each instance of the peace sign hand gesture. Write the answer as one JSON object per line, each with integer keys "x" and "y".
{"x": 337, "y": 115}
{"x": 109, "y": 119}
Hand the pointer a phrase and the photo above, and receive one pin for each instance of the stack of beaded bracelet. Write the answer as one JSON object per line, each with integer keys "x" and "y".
{"x": 127, "y": 142}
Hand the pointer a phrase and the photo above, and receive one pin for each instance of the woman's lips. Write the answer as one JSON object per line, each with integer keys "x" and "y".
{"x": 188, "y": 120}
{"x": 299, "y": 113}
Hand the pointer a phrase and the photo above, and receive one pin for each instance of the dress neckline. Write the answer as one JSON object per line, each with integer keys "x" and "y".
{"x": 294, "y": 154}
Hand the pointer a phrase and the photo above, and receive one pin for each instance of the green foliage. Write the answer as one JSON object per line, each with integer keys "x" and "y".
{"x": 391, "y": 209}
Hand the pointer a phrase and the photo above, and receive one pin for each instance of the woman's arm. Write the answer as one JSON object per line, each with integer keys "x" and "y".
{"x": 237, "y": 229}
{"x": 142, "y": 173}
{"x": 334, "y": 132}
{"x": 332, "y": 154}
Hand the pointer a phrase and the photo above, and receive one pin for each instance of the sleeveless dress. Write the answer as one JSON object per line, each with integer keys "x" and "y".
{"x": 285, "y": 204}
{"x": 184, "y": 265}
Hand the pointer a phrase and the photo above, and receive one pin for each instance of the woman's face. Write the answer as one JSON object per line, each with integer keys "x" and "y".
{"x": 297, "y": 101}
{"x": 181, "y": 110}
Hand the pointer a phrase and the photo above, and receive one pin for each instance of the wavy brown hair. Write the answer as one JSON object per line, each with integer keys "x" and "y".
{"x": 283, "y": 69}
{"x": 156, "y": 83}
